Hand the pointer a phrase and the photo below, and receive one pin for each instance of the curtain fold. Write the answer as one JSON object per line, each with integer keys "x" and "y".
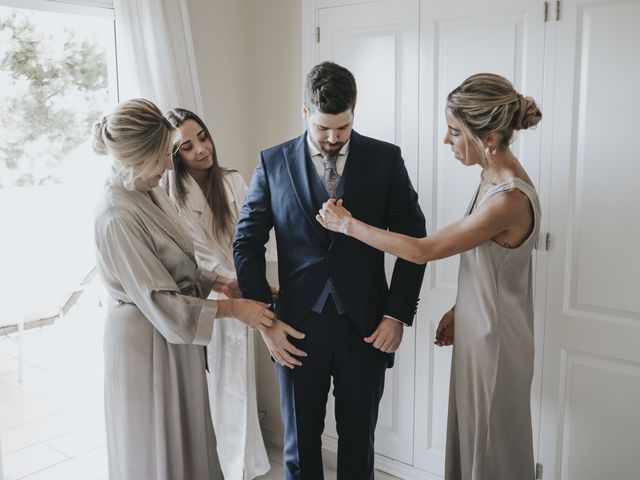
{"x": 155, "y": 53}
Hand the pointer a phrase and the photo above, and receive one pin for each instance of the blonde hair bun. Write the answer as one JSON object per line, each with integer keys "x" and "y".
{"x": 487, "y": 103}
{"x": 528, "y": 115}
{"x": 137, "y": 136}
{"x": 99, "y": 145}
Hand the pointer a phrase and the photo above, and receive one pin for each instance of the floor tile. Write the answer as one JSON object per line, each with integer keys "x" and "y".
{"x": 9, "y": 348}
{"x": 5, "y": 357}
{"x": 94, "y": 461}
{"x": 55, "y": 425}
{"x": 276, "y": 472}
{"x": 68, "y": 470}
{"x": 13, "y": 440}
{"x": 31, "y": 460}
{"x": 26, "y": 412}
{"x": 72, "y": 398}
{"x": 9, "y": 365}
{"x": 93, "y": 412}
{"x": 54, "y": 361}
{"x": 11, "y": 397}
{"x": 79, "y": 441}
{"x": 37, "y": 381}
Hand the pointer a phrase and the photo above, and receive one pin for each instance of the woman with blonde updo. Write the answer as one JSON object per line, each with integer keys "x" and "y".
{"x": 158, "y": 318}
{"x": 489, "y": 427}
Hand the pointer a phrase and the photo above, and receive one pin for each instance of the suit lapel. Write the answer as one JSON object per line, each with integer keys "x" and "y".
{"x": 296, "y": 160}
{"x": 356, "y": 172}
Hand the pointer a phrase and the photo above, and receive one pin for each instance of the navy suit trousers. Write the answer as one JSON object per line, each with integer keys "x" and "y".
{"x": 335, "y": 349}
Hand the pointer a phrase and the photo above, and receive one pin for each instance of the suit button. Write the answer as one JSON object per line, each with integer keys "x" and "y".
{"x": 332, "y": 255}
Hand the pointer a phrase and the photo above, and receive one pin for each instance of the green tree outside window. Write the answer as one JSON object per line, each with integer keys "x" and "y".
{"x": 54, "y": 87}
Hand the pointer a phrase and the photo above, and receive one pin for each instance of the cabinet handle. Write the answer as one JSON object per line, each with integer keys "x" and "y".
{"x": 546, "y": 11}
{"x": 557, "y": 10}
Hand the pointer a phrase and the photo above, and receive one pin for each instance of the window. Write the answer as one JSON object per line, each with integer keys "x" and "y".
{"x": 57, "y": 77}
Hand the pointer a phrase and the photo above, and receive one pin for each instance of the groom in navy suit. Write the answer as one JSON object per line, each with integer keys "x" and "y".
{"x": 338, "y": 318}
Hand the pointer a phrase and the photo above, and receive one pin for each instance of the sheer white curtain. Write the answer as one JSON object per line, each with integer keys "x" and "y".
{"x": 155, "y": 53}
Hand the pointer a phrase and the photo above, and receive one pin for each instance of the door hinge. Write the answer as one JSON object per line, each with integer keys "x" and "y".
{"x": 547, "y": 242}
{"x": 317, "y": 34}
{"x": 538, "y": 471}
{"x": 546, "y": 11}
{"x": 557, "y": 10}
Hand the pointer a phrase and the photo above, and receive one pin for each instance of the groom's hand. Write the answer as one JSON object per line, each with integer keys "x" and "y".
{"x": 281, "y": 349}
{"x": 388, "y": 336}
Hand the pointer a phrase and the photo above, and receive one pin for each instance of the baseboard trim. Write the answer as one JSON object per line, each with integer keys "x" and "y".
{"x": 402, "y": 470}
{"x": 385, "y": 464}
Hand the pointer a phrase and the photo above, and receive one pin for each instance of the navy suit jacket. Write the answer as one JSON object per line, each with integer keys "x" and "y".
{"x": 377, "y": 190}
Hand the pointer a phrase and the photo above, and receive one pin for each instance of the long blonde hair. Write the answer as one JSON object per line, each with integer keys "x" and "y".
{"x": 138, "y": 137}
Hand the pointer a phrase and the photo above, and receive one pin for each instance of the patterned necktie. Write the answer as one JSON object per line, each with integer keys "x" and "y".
{"x": 331, "y": 177}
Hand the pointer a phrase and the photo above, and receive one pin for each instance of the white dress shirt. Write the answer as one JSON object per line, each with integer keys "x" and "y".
{"x": 318, "y": 159}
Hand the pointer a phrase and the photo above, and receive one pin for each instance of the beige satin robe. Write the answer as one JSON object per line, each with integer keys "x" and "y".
{"x": 158, "y": 322}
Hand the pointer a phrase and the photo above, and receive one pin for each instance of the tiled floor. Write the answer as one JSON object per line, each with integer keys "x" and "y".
{"x": 52, "y": 424}
{"x": 277, "y": 472}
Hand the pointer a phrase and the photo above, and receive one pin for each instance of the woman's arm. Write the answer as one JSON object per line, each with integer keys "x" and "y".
{"x": 494, "y": 216}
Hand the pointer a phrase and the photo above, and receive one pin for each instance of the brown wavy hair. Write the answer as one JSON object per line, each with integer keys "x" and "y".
{"x": 223, "y": 221}
{"x": 330, "y": 88}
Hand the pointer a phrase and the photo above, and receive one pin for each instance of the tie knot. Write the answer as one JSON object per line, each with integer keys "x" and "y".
{"x": 330, "y": 162}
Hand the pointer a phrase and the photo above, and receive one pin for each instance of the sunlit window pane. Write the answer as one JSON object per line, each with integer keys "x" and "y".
{"x": 57, "y": 77}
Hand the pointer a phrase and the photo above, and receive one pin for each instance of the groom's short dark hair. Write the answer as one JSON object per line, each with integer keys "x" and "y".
{"x": 330, "y": 88}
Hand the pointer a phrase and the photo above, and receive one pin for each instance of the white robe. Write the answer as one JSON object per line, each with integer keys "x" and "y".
{"x": 232, "y": 378}
{"x": 156, "y": 402}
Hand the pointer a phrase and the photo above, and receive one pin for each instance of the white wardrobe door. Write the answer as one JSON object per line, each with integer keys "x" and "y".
{"x": 591, "y": 391}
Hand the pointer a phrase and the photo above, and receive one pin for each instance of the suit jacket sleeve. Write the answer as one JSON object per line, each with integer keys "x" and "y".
{"x": 252, "y": 233}
{"x": 404, "y": 216}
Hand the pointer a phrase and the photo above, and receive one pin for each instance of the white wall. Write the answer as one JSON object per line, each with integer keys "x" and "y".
{"x": 222, "y": 42}
{"x": 249, "y": 61}
{"x": 249, "y": 65}
{"x": 277, "y": 63}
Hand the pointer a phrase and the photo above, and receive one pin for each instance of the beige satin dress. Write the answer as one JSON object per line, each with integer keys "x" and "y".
{"x": 489, "y": 434}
